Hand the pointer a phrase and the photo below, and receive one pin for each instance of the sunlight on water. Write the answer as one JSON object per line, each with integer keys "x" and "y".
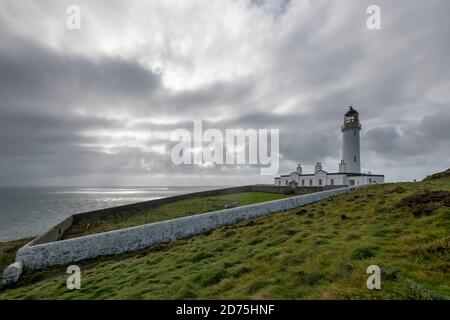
{"x": 103, "y": 192}
{"x": 30, "y": 211}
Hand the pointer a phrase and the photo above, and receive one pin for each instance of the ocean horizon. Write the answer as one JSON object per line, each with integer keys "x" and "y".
{"x": 30, "y": 211}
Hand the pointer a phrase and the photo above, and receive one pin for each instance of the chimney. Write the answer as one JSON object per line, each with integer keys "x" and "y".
{"x": 318, "y": 167}
{"x": 342, "y": 166}
{"x": 299, "y": 169}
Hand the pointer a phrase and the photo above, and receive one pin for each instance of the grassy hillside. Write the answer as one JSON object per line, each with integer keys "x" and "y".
{"x": 168, "y": 211}
{"x": 320, "y": 251}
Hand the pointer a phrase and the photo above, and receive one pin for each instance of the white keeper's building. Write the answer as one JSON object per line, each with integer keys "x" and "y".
{"x": 349, "y": 173}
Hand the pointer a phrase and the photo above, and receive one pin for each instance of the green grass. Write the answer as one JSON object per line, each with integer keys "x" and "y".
{"x": 168, "y": 211}
{"x": 311, "y": 254}
{"x": 8, "y": 251}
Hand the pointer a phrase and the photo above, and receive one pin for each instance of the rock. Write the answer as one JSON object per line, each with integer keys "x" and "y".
{"x": 12, "y": 273}
{"x": 231, "y": 204}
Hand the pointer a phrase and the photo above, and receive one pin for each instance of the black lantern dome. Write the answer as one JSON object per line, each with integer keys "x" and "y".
{"x": 351, "y": 112}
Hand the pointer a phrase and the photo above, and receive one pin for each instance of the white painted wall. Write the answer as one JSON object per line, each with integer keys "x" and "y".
{"x": 350, "y": 149}
{"x": 327, "y": 179}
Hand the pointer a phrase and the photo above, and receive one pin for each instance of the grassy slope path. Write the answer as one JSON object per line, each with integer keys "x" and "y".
{"x": 318, "y": 251}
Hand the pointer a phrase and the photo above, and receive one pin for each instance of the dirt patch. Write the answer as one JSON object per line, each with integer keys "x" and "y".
{"x": 426, "y": 202}
{"x": 398, "y": 190}
{"x": 301, "y": 212}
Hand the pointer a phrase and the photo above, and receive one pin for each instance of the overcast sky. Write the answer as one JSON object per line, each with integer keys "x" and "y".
{"x": 97, "y": 106}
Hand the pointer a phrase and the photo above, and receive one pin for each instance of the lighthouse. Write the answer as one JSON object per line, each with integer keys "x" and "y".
{"x": 349, "y": 169}
{"x": 351, "y": 161}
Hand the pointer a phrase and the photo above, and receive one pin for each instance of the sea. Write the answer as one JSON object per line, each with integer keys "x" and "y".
{"x": 26, "y": 212}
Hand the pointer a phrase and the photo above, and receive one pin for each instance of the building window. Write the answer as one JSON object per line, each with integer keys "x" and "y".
{"x": 303, "y": 182}
{"x": 370, "y": 180}
{"x": 310, "y": 182}
{"x": 354, "y": 158}
{"x": 351, "y": 182}
{"x": 354, "y": 132}
{"x": 332, "y": 182}
{"x": 286, "y": 182}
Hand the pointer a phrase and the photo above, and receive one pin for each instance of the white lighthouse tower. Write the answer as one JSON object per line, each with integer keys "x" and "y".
{"x": 349, "y": 169}
{"x": 351, "y": 161}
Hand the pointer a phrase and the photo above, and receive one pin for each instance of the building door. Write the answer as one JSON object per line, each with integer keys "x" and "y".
{"x": 351, "y": 182}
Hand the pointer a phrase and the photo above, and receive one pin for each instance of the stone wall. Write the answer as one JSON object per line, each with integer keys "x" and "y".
{"x": 146, "y": 205}
{"x": 56, "y": 232}
{"x": 35, "y": 256}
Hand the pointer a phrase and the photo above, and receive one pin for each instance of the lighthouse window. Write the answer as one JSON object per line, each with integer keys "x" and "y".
{"x": 320, "y": 182}
{"x": 303, "y": 182}
{"x": 354, "y": 158}
{"x": 310, "y": 182}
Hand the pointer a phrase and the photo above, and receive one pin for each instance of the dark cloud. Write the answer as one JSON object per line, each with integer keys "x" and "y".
{"x": 416, "y": 139}
{"x": 39, "y": 79}
{"x": 79, "y": 112}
